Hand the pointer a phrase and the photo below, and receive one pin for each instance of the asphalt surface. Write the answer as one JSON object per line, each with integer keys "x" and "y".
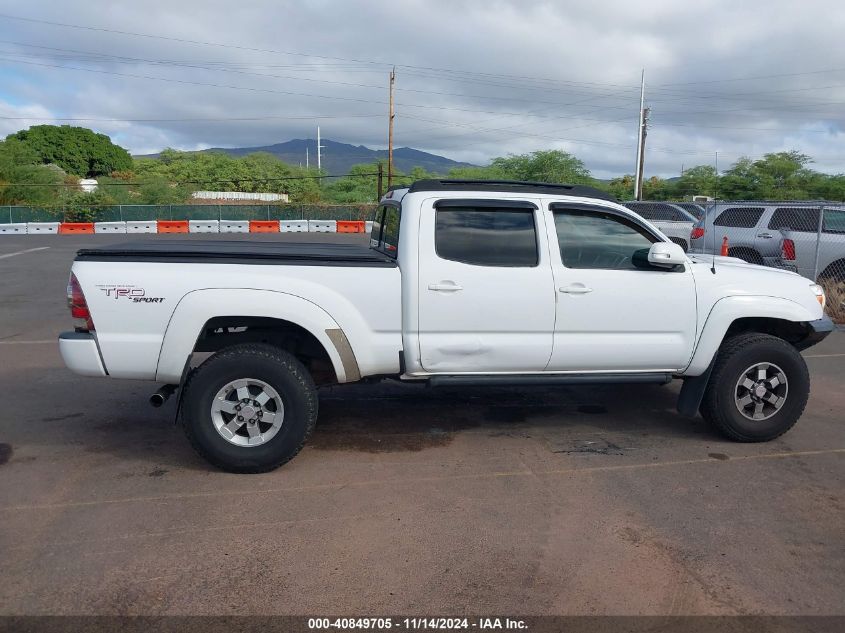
{"x": 408, "y": 500}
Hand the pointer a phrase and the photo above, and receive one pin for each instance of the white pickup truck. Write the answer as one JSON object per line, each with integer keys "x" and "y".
{"x": 464, "y": 282}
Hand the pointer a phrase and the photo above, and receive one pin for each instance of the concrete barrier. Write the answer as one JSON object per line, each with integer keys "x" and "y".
{"x": 322, "y": 226}
{"x": 42, "y": 227}
{"x": 18, "y": 228}
{"x": 172, "y": 226}
{"x": 76, "y": 228}
{"x": 142, "y": 226}
{"x": 234, "y": 226}
{"x": 203, "y": 226}
{"x": 263, "y": 226}
{"x": 350, "y": 226}
{"x": 368, "y": 226}
{"x": 109, "y": 227}
{"x": 293, "y": 226}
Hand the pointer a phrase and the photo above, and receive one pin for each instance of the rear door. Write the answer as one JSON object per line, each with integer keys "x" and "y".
{"x": 486, "y": 291}
{"x": 611, "y": 315}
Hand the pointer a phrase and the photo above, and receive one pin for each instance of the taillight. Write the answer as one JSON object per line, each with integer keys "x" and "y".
{"x": 787, "y": 249}
{"x": 78, "y": 306}
{"x": 697, "y": 233}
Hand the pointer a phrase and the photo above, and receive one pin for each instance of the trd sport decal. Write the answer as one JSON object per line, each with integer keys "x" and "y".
{"x": 133, "y": 293}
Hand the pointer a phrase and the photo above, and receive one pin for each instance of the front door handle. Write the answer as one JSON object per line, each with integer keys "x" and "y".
{"x": 576, "y": 289}
{"x": 767, "y": 236}
{"x": 446, "y": 286}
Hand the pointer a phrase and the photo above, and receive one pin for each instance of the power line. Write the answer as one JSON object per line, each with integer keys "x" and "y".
{"x": 110, "y": 58}
{"x": 253, "y": 89}
{"x": 192, "y": 119}
{"x": 191, "y": 182}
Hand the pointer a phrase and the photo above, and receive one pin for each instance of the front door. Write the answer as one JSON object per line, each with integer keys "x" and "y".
{"x": 486, "y": 291}
{"x": 611, "y": 315}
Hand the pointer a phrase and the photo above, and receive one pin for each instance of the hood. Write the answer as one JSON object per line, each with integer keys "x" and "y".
{"x": 735, "y": 277}
{"x": 733, "y": 263}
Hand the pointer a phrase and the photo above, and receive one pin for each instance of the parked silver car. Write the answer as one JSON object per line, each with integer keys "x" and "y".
{"x": 673, "y": 221}
{"x": 752, "y": 228}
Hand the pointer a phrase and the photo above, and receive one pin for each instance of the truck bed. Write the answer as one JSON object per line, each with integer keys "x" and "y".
{"x": 239, "y": 252}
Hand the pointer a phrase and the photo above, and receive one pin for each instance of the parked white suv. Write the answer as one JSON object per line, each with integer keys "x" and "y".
{"x": 482, "y": 283}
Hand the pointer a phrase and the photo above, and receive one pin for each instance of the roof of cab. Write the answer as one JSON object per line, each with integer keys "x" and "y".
{"x": 504, "y": 186}
{"x": 510, "y": 186}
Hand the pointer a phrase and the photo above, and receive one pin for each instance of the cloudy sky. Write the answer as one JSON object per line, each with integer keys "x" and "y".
{"x": 475, "y": 79}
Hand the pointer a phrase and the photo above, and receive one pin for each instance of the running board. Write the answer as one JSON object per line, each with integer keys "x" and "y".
{"x": 548, "y": 379}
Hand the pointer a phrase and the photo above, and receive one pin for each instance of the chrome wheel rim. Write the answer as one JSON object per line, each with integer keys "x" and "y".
{"x": 247, "y": 412}
{"x": 761, "y": 391}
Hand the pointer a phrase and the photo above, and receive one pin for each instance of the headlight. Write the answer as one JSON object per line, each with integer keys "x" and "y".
{"x": 819, "y": 292}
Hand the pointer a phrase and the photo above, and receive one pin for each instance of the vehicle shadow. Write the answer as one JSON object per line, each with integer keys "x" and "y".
{"x": 392, "y": 416}
{"x": 384, "y": 417}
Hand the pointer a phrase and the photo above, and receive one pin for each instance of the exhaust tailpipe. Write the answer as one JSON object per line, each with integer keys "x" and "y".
{"x": 161, "y": 396}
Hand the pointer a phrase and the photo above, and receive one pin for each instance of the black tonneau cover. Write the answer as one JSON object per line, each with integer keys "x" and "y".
{"x": 208, "y": 252}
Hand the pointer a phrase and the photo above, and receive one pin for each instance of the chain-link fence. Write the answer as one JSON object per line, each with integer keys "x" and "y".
{"x": 10, "y": 214}
{"x": 807, "y": 238}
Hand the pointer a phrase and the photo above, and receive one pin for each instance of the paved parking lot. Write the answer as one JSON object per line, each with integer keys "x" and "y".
{"x": 408, "y": 500}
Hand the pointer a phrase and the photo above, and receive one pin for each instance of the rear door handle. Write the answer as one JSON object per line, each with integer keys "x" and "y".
{"x": 448, "y": 286}
{"x": 576, "y": 289}
{"x": 767, "y": 236}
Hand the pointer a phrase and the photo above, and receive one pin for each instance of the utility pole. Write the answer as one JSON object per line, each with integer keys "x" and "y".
{"x": 644, "y": 133}
{"x": 638, "y": 178}
{"x": 319, "y": 151}
{"x": 390, "y": 132}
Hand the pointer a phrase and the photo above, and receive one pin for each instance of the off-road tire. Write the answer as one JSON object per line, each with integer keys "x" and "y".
{"x": 737, "y": 353}
{"x": 277, "y": 368}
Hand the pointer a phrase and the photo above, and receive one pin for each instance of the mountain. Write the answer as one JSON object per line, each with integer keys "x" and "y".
{"x": 338, "y": 158}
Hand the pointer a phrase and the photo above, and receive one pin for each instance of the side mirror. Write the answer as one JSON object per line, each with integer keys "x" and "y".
{"x": 666, "y": 255}
{"x": 661, "y": 256}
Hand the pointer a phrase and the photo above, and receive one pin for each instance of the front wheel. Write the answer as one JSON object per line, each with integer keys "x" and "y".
{"x": 758, "y": 388}
{"x": 249, "y": 408}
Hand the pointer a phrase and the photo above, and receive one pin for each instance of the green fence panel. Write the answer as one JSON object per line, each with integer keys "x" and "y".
{"x": 285, "y": 212}
{"x": 245, "y": 212}
{"x": 146, "y": 212}
{"x": 36, "y": 214}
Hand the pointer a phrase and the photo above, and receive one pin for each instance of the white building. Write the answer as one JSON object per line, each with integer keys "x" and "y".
{"x": 240, "y": 195}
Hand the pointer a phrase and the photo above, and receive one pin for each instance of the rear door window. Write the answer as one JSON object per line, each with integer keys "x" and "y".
{"x": 834, "y": 221}
{"x": 740, "y": 217}
{"x": 486, "y": 237}
{"x": 804, "y": 219}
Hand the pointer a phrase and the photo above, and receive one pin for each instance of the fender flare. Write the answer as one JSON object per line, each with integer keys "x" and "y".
{"x": 727, "y": 310}
{"x": 196, "y": 308}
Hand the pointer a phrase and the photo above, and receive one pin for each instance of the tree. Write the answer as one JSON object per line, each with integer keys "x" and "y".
{"x": 544, "y": 166}
{"x": 22, "y": 181}
{"x": 701, "y": 180}
{"x": 360, "y": 186}
{"x": 77, "y": 150}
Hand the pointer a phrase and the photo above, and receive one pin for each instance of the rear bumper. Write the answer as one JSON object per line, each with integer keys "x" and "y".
{"x": 80, "y": 353}
{"x": 818, "y": 331}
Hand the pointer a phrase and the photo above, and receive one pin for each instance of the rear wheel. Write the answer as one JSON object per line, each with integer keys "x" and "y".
{"x": 249, "y": 408}
{"x": 758, "y": 388}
